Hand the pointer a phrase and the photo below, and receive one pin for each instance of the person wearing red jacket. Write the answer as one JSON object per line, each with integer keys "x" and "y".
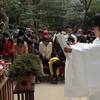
{"x": 7, "y": 45}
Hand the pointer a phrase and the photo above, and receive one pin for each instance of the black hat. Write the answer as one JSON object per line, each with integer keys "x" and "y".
{"x": 96, "y": 20}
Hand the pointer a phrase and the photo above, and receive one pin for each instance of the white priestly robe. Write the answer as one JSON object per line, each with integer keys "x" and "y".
{"x": 82, "y": 71}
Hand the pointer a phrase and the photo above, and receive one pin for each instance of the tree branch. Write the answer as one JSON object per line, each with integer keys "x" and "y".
{"x": 88, "y": 6}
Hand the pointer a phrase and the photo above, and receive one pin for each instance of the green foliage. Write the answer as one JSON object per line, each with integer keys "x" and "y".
{"x": 95, "y": 8}
{"x": 51, "y": 13}
{"x": 13, "y": 9}
{"x": 27, "y": 17}
{"x": 24, "y": 65}
{"x": 80, "y": 11}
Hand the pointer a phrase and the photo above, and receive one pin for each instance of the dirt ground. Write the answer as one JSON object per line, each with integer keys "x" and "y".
{"x": 48, "y": 91}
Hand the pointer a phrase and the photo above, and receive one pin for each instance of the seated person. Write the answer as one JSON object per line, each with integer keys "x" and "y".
{"x": 45, "y": 51}
{"x": 19, "y": 48}
{"x": 54, "y": 67}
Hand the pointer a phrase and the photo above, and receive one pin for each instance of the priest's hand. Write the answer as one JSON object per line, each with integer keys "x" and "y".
{"x": 68, "y": 49}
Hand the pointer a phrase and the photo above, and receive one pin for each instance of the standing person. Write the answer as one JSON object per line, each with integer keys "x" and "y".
{"x": 60, "y": 42}
{"x": 85, "y": 80}
{"x": 69, "y": 33}
{"x": 97, "y": 42}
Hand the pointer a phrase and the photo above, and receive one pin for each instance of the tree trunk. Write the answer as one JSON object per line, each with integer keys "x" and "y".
{"x": 87, "y": 4}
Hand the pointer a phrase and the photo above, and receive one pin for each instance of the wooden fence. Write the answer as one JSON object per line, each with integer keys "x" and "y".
{"x": 6, "y": 87}
{"x": 7, "y": 92}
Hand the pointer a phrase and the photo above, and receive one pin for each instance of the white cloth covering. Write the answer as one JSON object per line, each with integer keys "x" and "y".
{"x": 66, "y": 37}
{"x": 44, "y": 50}
{"x": 82, "y": 71}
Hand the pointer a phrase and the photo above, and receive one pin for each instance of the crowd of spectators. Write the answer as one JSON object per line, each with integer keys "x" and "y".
{"x": 46, "y": 45}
